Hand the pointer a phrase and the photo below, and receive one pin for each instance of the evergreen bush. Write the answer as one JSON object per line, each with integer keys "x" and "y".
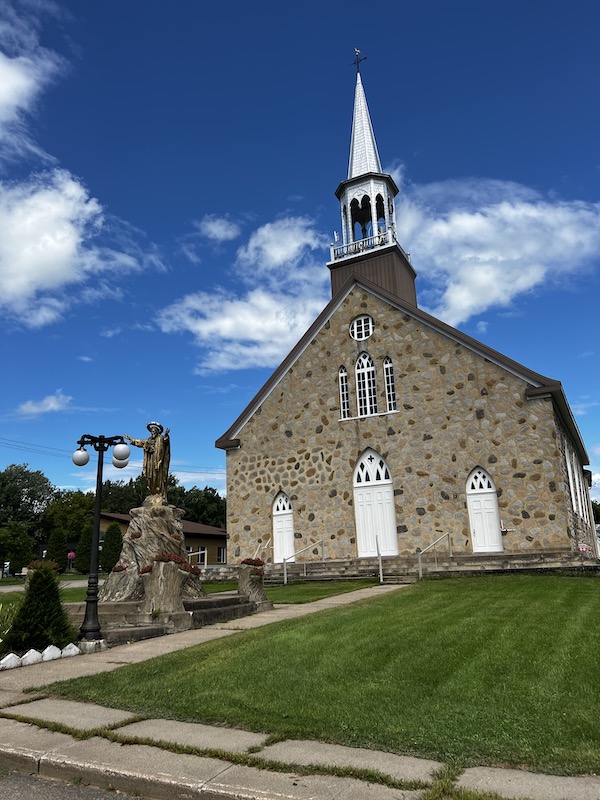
{"x": 84, "y": 550}
{"x": 41, "y": 620}
{"x": 57, "y": 548}
{"x": 111, "y": 547}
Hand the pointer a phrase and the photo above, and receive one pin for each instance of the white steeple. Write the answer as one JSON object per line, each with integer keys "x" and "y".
{"x": 363, "y": 147}
{"x": 367, "y": 195}
{"x": 368, "y": 245}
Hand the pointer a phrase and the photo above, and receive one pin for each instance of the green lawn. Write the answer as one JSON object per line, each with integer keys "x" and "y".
{"x": 494, "y": 670}
{"x": 292, "y": 593}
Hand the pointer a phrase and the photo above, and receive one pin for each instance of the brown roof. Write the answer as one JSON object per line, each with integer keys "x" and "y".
{"x": 190, "y": 528}
{"x": 540, "y": 385}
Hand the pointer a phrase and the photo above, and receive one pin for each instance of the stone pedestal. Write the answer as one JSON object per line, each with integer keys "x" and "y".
{"x": 251, "y": 584}
{"x": 163, "y": 588}
{"x": 155, "y": 528}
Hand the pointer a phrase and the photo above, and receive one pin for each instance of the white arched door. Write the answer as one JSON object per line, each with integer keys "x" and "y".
{"x": 484, "y": 517}
{"x": 374, "y": 508}
{"x": 283, "y": 529}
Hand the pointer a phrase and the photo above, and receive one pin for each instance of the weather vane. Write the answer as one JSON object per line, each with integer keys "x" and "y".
{"x": 358, "y": 59}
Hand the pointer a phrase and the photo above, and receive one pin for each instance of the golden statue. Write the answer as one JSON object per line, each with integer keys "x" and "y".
{"x": 157, "y": 455}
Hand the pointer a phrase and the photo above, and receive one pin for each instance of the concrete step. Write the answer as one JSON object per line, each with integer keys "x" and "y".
{"x": 132, "y": 633}
{"x": 210, "y": 616}
{"x": 395, "y": 567}
{"x": 125, "y": 621}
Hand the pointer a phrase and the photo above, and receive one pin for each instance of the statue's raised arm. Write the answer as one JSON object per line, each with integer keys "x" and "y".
{"x": 157, "y": 455}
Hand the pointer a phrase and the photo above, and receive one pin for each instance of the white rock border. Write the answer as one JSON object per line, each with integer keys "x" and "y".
{"x": 51, "y": 653}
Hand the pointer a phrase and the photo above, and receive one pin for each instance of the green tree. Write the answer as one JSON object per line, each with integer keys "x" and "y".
{"x": 596, "y": 508}
{"x": 41, "y": 620}
{"x": 119, "y": 497}
{"x": 175, "y": 492}
{"x": 70, "y": 512}
{"x": 24, "y": 496}
{"x": 84, "y": 550}
{"x": 57, "y": 548}
{"x": 111, "y": 547}
{"x": 205, "y": 506}
{"x": 16, "y": 546}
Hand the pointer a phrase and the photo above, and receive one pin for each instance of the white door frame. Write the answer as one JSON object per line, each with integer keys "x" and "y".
{"x": 283, "y": 529}
{"x": 374, "y": 508}
{"x": 484, "y": 515}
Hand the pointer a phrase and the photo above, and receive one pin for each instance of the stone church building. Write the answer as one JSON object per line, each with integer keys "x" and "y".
{"x": 385, "y": 428}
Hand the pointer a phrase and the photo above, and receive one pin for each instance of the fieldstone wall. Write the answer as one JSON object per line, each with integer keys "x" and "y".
{"x": 456, "y": 411}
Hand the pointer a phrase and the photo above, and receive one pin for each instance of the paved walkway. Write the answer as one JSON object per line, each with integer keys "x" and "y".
{"x": 159, "y": 758}
{"x": 64, "y": 584}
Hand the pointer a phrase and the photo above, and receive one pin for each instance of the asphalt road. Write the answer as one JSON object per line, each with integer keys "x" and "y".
{"x": 28, "y": 787}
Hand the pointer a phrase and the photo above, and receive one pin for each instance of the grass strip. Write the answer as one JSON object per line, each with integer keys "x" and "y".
{"x": 309, "y": 591}
{"x": 256, "y": 762}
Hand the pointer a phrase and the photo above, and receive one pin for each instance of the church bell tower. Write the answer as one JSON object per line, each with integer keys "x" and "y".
{"x": 368, "y": 246}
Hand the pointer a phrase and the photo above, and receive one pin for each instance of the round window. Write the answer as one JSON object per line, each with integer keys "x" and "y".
{"x": 362, "y": 327}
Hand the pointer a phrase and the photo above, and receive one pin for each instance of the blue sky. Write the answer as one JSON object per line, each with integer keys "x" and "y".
{"x": 166, "y": 201}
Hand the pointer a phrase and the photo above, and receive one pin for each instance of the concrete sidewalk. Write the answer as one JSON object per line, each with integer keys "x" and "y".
{"x": 72, "y": 583}
{"x": 159, "y": 758}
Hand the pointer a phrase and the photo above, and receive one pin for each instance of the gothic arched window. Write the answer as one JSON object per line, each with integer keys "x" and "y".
{"x": 344, "y": 396}
{"x": 366, "y": 386}
{"x": 390, "y": 385}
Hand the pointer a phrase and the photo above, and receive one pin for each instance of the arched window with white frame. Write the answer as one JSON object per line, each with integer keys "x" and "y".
{"x": 344, "y": 394}
{"x": 390, "y": 385}
{"x": 366, "y": 386}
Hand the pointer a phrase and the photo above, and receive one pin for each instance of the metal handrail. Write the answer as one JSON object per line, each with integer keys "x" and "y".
{"x": 429, "y": 546}
{"x": 200, "y": 553}
{"x": 262, "y": 547}
{"x": 297, "y": 553}
{"x": 379, "y": 559}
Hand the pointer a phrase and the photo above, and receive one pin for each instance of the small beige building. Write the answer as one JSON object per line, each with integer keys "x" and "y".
{"x": 204, "y": 544}
{"x": 385, "y": 427}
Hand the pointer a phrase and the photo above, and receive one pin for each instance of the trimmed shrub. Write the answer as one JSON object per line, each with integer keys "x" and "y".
{"x": 57, "y": 548}
{"x": 111, "y": 547}
{"x": 84, "y": 550}
{"x": 41, "y": 620}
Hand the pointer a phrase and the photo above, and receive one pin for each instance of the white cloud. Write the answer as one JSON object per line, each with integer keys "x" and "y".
{"x": 47, "y": 225}
{"x": 218, "y": 229}
{"x": 287, "y": 290}
{"x": 26, "y": 69}
{"x": 188, "y": 249}
{"x": 595, "y": 489}
{"x": 581, "y": 407}
{"x": 256, "y": 330}
{"x": 85, "y": 359}
{"x": 481, "y": 243}
{"x": 277, "y": 246}
{"x": 52, "y": 402}
{"x": 53, "y": 233}
{"x": 215, "y": 478}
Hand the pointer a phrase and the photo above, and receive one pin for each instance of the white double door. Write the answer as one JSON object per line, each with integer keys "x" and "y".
{"x": 374, "y": 509}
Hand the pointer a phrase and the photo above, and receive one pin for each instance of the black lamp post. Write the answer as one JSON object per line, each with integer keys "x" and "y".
{"x": 90, "y": 630}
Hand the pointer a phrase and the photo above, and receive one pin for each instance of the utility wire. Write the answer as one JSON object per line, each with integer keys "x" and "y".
{"x": 56, "y": 452}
